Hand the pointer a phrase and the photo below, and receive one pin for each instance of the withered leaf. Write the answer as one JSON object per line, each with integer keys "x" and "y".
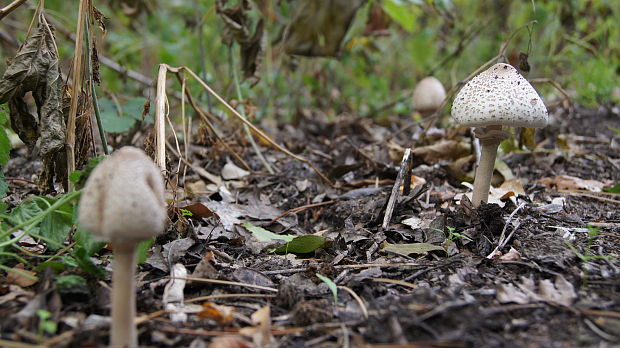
{"x": 238, "y": 28}
{"x": 318, "y": 26}
{"x": 35, "y": 69}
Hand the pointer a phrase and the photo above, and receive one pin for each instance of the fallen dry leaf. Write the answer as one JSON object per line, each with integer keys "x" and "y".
{"x": 511, "y": 255}
{"x": 442, "y": 150}
{"x": 20, "y": 279}
{"x": 219, "y": 313}
{"x": 229, "y": 342}
{"x": 261, "y": 333}
{"x": 567, "y": 182}
{"x": 561, "y": 291}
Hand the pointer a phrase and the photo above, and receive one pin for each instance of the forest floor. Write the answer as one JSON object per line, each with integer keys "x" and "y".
{"x": 555, "y": 282}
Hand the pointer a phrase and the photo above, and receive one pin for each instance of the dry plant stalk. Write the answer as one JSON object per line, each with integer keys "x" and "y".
{"x": 10, "y": 7}
{"x": 76, "y": 87}
{"x": 160, "y": 112}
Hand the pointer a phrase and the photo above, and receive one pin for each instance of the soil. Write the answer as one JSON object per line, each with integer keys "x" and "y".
{"x": 555, "y": 282}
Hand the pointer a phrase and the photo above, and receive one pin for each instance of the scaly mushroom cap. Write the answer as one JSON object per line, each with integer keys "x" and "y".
{"x": 428, "y": 94}
{"x": 123, "y": 199}
{"x": 499, "y": 96}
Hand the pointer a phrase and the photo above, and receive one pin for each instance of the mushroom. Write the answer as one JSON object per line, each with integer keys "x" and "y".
{"x": 123, "y": 203}
{"x": 428, "y": 96}
{"x": 497, "y": 97}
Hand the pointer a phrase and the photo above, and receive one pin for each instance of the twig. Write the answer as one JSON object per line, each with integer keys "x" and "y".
{"x": 600, "y": 313}
{"x": 215, "y": 297}
{"x": 93, "y": 91}
{"x": 405, "y": 170}
{"x": 252, "y": 127}
{"x": 206, "y": 120}
{"x": 257, "y": 150}
{"x": 357, "y": 298}
{"x": 589, "y": 195}
{"x": 604, "y": 335}
{"x": 226, "y": 282}
{"x": 76, "y": 88}
{"x": 10, "y": 7}
{"x": 201, "y": 50}
{"x": 300, "y": 209}
{"x": 395, "y": 281}
{"x": 556, "y": 85}
{"x": 160, "y": 114}
{"x": 460, "y": 47}
{"x": 503, "y": 239}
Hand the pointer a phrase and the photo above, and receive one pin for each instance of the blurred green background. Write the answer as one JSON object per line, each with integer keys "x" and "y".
{"x": 390, "y": 45}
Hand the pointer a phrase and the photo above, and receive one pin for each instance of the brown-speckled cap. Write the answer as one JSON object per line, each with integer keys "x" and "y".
{"x": 499, "y": 96}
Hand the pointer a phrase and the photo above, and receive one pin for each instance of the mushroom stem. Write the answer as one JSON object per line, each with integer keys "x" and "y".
{"x": 490, "y": 138}
{"x": 124, "y": 296}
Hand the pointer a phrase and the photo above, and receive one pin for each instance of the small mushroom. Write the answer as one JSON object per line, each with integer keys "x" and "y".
{"x": 123, "y": 203}
{"x": 428, "y": 96}
{"x": 497, "y": 97}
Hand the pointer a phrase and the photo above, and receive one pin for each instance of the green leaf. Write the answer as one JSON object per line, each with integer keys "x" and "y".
{"x": 70, "y": 281}
{"x": 142, "y": 250}
{"x": 4, "y": 187}
{"x": 614, "y": 189}
{"x": 43, "y": 314}
{"x": 56, "y": 225}
{"x": 614, "y": 129}
{"x": 134, "y": 108}
{"x": 85, "y": 240}
{"x": 79, "y": 177}
{"x": 5, "y": 143}
{"x": 302, "y": 244}
{"x": 57, "y": 266}
{"x": 402, "y": 12}
{"x": 265, "y": 236}
{"x": 85, "y": 263}
{"x": 112, "y": 121}
{"x": 413, "y": 248}
{"x": 24, "y": 212}
{"x": 332, "y": 286}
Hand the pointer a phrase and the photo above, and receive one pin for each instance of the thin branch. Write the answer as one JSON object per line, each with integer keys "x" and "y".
{"x": 10, "y": 7}
{"x": 93, "y": 91}
{"x": 206, "y": 120}
{"x": 257, "y": 150}
{"x": 76, "y": 87}
{"x": 252, "y": 126}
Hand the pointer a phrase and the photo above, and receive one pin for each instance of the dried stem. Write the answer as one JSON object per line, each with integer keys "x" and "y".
{"x": 76, "y": 87}
{"x": 159, "y": 111}
{"x": 206, "y": 120}
{"x": 257, "y": 150}
{"x": 10, "y": 7}
{"x": 93, "y": 91}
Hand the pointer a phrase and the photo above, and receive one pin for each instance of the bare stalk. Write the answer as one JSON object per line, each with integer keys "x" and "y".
{"x": 257, "y": 150}
{"x": 10, "y": 7}
{"x": 76, "y": 87}
{"x": 160, "y": 108}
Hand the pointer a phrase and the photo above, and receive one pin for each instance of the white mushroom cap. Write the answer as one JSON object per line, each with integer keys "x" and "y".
{"x": 428, "y": 94}
{"x": 499, "y": 96}
{"x": 123, "y": 199}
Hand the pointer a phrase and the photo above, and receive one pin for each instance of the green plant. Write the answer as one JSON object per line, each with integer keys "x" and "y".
{"x": 453, "y": 236}
{"x": 50, "y": 221}
{"x": 331, "y": 285}
{"x": 185, "y": 212}
{"x": 45, "y": 325}
{"x": 587, "y": 255}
